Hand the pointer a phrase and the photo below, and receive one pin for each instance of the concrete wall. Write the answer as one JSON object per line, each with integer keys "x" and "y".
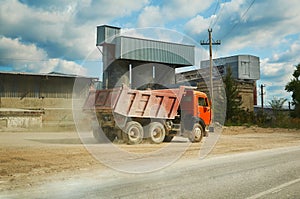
{"x": 246, "y": 92}
{"x": 21, "y": 121}
{"x": 58, "y": 111}
{"x": 53, "y": 94}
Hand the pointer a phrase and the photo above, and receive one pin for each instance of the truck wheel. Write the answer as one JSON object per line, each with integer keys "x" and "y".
{"x": 156, "y": 132}
{"x": 134, "y": 133}
{"x": 168, "y": 138}
{"x": 196, "y": 134}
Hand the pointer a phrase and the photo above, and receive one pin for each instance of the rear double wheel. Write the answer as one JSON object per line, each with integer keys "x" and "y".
{"x": 156, "y": 132}
{"x": 133, "y": 133}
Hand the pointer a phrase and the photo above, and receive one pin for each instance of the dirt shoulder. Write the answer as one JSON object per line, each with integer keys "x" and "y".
{"x": 28, "y": 159}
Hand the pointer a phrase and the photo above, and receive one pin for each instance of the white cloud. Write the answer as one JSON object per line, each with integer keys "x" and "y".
{"x": 57, "y": 65}
{"x": 275, "y": 75}
{"x": 20, "y": 20}
{"x": 197, "y": 25}
{"x": 282, "y": 71}
{"x": 14, "y": 49}
{"x": 265, "y": 25}
{"x": 153, "y": 16}
{"x": 30, "y": 58}
{"x": 107, "y": 10}
{"x": 291, "y": 55}
{"x": 184, "y": 8}
{"x": 150, "y": 17}
{"x": 65, "y": 29}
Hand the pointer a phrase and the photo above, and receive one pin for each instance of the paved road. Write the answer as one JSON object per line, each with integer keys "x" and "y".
{"x": 262, "y": 174}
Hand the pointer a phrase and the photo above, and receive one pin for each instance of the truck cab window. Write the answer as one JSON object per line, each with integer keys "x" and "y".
{"x": 202, "y": 101}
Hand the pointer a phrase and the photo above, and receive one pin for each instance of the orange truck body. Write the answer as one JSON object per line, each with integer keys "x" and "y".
{"x": 173, "y": 111}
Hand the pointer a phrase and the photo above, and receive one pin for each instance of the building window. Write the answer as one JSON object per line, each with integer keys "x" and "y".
{"x": 245, "y": 68}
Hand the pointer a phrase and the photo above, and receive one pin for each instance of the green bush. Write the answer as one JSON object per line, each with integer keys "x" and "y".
{"x": 262, "y": 119}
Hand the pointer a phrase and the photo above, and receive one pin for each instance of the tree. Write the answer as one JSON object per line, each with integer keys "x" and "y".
{"x": 233, "y": 99}
{"x": 294, "y": 87}
{"x": 276, "y": 105}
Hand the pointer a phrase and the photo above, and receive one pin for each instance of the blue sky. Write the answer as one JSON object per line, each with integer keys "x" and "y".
{"x": 57, "y": 35}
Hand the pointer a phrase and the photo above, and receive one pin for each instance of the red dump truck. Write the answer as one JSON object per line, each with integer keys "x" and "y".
{"x": 157, "y": 115}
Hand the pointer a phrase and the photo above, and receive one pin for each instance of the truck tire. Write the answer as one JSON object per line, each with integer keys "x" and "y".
{"x": 196, "y": 134}
{"x": 134, "y": 133}
{"x": 156, "y": 132}
{"x": 168, "y": 138}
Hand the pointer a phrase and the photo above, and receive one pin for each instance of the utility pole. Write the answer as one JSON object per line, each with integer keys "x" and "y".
{"x": 210, "y": 42}
{"x": 262, "y": 96}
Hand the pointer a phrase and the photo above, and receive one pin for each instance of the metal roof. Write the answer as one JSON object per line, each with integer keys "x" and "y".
{"x": 51, "y": 74}
{"x": 154, "y": 51}
{"x": 145, "y": 50}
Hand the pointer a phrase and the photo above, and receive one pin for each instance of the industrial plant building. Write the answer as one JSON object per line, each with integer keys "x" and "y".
{"x": 245, "y": 71}
{"x": 137, "y": 62}
{"x": 29, "y": 99}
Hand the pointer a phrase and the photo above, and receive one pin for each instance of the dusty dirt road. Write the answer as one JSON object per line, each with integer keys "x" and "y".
{"x": 30, "y": 159}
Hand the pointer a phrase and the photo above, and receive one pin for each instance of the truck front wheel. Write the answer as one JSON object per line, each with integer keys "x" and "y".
{"x": 134, "y": 133}
{"x": 156, "y": 132}
{"x": 197, "y": 133}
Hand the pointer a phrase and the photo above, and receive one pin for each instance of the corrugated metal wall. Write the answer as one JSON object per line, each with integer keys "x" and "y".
{"x": 106, "y": 34}
{"x": 154, "y": 51}
{"x": 29, "y": 86}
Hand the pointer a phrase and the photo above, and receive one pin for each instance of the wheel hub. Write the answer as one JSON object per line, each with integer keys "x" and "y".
{"x": 197, "y": 133}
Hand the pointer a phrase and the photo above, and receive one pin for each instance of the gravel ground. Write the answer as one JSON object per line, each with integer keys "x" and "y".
{"x": 33, "y": 158}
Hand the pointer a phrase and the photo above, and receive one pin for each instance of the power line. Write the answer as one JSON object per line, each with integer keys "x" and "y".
{"x": 218, "y": 16}
{"x": 235, "y": 25}
{"x": 217, "y": 5}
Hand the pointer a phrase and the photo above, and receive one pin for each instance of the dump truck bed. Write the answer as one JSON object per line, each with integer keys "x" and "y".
{"x": 161, "y": 104}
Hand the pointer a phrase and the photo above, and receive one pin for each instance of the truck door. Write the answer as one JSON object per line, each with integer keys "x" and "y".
{"x": 204, "y": 111}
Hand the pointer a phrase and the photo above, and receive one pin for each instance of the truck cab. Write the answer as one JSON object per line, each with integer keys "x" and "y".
{"x": 195, "y": 112}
